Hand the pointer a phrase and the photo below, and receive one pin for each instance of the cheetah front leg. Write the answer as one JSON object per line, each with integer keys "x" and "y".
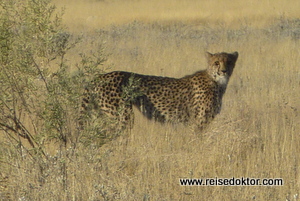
{"x": 203, "y": 115}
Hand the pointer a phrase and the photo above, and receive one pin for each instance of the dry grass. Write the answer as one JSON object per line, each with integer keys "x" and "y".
{"x": 256, "y": 135}
{"x": 86, "y": 15}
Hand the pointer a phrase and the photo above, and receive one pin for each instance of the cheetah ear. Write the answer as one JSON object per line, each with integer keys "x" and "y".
{"x": 235, "y": 54}
{"x": 208, "y": 55}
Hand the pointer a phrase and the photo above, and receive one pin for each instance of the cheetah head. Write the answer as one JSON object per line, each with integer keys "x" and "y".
{"x": 221, "y": 65}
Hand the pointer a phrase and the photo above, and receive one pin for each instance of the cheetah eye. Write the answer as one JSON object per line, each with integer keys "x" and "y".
{"x": 217, "y": 63}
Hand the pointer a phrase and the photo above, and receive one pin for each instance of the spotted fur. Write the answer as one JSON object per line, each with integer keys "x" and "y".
{"x": 195, "y": 98}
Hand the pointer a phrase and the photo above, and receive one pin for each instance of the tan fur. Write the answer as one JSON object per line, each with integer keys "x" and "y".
{"x": 194, "y": 98}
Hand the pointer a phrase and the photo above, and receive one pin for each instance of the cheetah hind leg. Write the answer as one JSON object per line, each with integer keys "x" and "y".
{"x": 126, "y": 117}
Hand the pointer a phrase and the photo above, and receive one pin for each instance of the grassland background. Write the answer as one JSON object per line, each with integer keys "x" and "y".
{"x": 256, "y": 135}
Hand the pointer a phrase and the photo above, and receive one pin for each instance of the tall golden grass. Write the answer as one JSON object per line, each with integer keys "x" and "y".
{"x": 86, "y": 15}
{"x": 256, "y": 135}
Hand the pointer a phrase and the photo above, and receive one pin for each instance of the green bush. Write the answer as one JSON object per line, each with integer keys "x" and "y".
{"x": 40, "y": 94}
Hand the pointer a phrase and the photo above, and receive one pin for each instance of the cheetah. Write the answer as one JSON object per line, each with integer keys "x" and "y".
{"x": 195, "y": 98}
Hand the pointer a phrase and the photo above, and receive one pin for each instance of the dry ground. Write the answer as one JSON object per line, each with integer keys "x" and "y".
{"x": 256, "y": 135}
